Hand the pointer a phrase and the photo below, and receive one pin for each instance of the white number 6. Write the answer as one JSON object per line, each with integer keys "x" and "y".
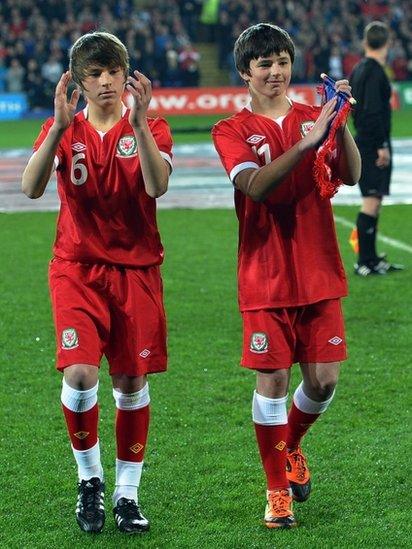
{"x": 78, "y": 167}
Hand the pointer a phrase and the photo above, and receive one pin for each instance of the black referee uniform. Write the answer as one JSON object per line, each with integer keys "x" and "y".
{"x": 372, "y": 118}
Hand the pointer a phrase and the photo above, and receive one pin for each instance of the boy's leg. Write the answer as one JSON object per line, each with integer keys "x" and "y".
{"x": 80, "y": 408}
{"x": 137, "y": 347}
{"x": 268, "y": 343}
{"x": 311, "y": 398}
{"x": 270, "y": 421}
{"x": 320, "y": 348}
{"x": 132, "y": 425}
{"x": 81, "y": 324}
{"x": 319, "y": 381}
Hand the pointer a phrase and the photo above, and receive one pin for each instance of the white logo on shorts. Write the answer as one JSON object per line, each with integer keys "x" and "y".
{"x": 145, "y": 353}
{"x": 70, "y": 339}
{"x": 335, "y": 340}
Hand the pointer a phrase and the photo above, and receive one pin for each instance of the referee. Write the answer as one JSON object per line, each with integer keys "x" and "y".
{"x": 372, "y": 118}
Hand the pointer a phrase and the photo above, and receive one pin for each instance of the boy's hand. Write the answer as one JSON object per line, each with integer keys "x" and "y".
{"x": 318, "y": 131}
{"x": 343, "y": 86}
{"x": 140, "y": 88}
{"x": 64, "y": 110}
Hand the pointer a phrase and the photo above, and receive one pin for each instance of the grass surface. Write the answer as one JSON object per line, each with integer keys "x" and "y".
{"x": 22, "y": 133}
{"x": 203, "y": 486}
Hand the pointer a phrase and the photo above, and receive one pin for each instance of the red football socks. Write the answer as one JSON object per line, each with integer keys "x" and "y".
{"x": 82, "y": 427}
{"x": 298, "y": 424}
{"x": 132, "y": 427}
{"x": 271, "y": 440}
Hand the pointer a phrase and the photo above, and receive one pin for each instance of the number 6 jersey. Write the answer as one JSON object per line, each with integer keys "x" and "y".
{"x": 288, "y": 252}
{"x": 106, "y": 216}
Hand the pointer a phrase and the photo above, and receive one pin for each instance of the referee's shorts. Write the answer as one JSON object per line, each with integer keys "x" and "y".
{"x": 374, "y": 181}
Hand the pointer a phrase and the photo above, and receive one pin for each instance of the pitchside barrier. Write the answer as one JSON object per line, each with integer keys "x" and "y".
{"x": 13, "y": 106}
{"x": 227, "y": 100}
{"x": 202, "y": 101}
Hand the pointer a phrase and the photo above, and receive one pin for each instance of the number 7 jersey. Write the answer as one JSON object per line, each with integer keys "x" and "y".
{"x": 106, "y": 216}
{"x": 288, "y": 252}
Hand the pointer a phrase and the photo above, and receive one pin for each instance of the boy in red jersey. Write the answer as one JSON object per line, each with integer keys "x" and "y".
{"x": 290, "y": 275}
{"x": 106, "y": 290}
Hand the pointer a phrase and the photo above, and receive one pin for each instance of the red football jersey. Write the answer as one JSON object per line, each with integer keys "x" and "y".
{"x": 106, "y": 216}
{"x": 288, "y": 252}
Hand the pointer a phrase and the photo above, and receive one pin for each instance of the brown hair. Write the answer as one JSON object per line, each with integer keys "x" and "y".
{"x": 261, "y": 40}
{"x": 100, "y": 48}
{"x": 376, "y": 35}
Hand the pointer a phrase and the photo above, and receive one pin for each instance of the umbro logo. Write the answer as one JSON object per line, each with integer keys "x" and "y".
{"x": 81, "y": 434}
{"x": 145, "y": 353}
{"x": 255, "y": 139}
{"x": 136, "y": 448}
{"x": 78, "y": 147}
{"x": 335, "y": 340}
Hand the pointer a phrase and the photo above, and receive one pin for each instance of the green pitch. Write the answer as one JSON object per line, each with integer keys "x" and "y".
{"x": 22, "y": 133}
{"x": 203, "y": 485}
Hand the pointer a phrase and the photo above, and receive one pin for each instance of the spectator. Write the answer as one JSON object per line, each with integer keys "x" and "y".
{"x": 172, "y": 76}
{"x": 398, "y": 62}
{"x": 36, "y": 95}
{"x": 350, "y": 59}
{"x": 335, "y": 64}
{"x": 224, "y": 39}
{"x": 52, "y": 70}
{"x": 3, "y": 75}
{"x": 189, "y": 66}
{"x": 15, "y": 76}
{"x": 299, "y": 66}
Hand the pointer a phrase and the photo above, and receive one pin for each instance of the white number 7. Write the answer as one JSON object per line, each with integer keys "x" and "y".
{"x": 264, "y": 151}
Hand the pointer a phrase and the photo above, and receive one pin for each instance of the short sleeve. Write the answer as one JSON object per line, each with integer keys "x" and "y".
{"x": 235, "y": 154}
{"x": 42, "y": 136}
{"x": 161, "y": 132}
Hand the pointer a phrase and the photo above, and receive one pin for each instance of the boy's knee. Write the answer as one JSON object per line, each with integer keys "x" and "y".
{"x": 321, "y": 390}
{"x": 81, "y": 376}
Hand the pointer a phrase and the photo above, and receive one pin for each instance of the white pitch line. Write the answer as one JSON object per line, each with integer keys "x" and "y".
{"x": 390, "y": 241}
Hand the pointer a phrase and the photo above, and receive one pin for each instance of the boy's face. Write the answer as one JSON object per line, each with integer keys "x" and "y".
{"x": 269, "y": 76}
{"x": 103, "y": 86}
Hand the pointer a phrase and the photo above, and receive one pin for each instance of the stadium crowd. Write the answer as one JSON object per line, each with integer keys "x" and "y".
{"x": 35, "y": 37}
{"x": 327, "y": 33}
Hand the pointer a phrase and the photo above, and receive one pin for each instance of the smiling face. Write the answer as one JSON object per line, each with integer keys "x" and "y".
{"x": 103, "y": 86}
{"x": 269, "y": 76}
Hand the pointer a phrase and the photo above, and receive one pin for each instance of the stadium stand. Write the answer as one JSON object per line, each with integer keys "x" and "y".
{"x": 189, "y": 42}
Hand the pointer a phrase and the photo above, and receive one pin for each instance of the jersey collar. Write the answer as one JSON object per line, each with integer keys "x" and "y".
{"x": 248, "y": 105}
{"x": 86, "y": 110}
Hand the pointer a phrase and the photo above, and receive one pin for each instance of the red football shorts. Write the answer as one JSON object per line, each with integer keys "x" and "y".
{"x": 108, "y": 310}
{"x": 277, "y": 338}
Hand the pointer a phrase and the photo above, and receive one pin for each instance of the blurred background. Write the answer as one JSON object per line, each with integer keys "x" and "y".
{"x": 188, "y": 43}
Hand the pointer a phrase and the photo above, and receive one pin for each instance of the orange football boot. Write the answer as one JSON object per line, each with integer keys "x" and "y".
{"x": 278, "y": 512}
{"x": 298, "y": 474}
